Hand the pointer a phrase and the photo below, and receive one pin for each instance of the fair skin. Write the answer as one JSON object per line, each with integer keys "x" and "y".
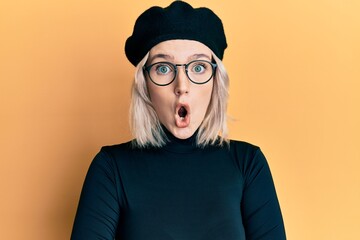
{"x": 168, "y": 101}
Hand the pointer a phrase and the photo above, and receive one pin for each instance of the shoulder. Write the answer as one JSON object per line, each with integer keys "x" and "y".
{"x": 109, "y": 153}
{"x": 106, "y": 161}
{"x": 124, "y": 152}
{"x": 243, "y": 148}
{"x": 248, "y": 156}
{"x": 117, "y": 148}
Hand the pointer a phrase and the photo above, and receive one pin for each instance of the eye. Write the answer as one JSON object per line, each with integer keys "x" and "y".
{"x": 199, "y": 68}
{"x": 163, "y": 69}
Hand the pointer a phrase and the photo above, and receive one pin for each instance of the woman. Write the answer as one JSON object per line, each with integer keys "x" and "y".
{"x": 180, "y": 178}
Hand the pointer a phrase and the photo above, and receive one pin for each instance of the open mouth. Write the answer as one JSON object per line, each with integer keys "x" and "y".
{"x": 182, "y": 112}
{"x": 182, "y": 115}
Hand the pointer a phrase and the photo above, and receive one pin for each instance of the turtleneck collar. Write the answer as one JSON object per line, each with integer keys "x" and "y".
{"x": 177, "y": 145}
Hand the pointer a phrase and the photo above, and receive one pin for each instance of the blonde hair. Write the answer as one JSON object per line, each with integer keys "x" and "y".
{"x": 146, "y": 127}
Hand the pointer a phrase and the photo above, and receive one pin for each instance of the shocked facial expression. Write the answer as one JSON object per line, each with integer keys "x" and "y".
{"x": 181, "y": 105}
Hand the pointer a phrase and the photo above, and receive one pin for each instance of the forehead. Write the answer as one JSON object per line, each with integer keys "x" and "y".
{"x": 180, "y": 50}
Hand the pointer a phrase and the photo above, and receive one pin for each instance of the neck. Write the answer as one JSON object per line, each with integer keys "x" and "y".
{"x": 175, "y": 144}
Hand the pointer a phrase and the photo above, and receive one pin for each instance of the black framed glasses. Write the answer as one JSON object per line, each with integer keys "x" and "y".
{"x": 164, "y": 73}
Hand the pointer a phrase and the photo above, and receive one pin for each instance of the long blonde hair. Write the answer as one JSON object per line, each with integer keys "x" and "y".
{"x": 146, "y": 127}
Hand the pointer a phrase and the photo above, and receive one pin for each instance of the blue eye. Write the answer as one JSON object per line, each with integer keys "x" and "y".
{"x": 163, "y": 69}
{"x": 199, "y": 68}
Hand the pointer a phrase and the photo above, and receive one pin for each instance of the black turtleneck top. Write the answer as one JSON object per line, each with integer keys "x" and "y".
{"x": 179, "y": 192}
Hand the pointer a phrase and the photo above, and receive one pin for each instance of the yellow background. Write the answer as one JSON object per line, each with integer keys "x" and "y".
{"x": 294, "y": 68}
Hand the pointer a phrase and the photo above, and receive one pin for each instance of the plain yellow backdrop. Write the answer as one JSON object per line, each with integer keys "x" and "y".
{"x": 294, "y": 68}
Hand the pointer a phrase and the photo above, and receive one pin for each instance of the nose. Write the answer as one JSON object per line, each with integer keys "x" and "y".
{"x": 182, "y": 82}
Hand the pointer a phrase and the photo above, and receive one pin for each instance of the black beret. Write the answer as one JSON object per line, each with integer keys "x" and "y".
{"x": 177, "y": 21}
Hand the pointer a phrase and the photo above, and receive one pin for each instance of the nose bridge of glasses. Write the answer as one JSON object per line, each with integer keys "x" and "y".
{"x": 182, "y": 65}
{"x": 177, "y": 71}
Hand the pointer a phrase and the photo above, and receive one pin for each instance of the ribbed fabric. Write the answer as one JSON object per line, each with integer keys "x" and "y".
{"x": 179, "y": 192}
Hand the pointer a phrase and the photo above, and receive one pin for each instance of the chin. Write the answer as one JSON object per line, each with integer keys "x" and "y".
{"x": 183, "y": 133}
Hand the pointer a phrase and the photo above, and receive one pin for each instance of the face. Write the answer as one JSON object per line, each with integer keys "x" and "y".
{"x": 181, "y": 105}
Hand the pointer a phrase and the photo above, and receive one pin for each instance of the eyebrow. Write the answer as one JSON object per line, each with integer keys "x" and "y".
{"x": 160, "y": 55}
{"x": 197, "y": 56}
{"x": 167, "y": 57}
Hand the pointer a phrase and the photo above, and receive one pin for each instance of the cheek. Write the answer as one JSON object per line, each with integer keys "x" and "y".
{"x": 153, "y": 93}
{"x": 159, "y": 97}
{"x": 203, "y": 98}
{"x": 207, "y": 93}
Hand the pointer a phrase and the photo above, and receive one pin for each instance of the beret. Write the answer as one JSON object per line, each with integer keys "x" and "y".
{"x": 177, "y": 21}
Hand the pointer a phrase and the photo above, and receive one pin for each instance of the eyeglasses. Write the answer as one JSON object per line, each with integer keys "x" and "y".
{"x": 164, "y": 73}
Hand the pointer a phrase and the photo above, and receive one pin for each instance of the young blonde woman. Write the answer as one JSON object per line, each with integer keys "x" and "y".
{"x": 180, "y": 178}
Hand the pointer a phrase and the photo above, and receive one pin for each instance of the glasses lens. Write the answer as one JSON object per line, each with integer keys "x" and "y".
{"x": 200, "y": 71}
{"x": 162, "y": 73}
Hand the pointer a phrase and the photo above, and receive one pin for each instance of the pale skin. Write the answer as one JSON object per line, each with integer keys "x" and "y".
{"x": 182, "y": 92}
